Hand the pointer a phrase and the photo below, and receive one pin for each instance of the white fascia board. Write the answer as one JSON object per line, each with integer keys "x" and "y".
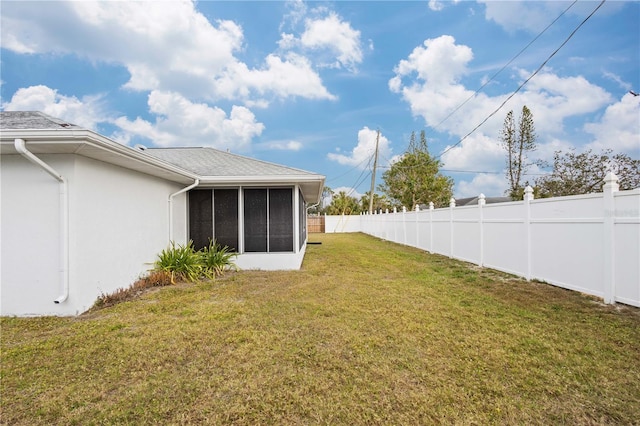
{"x": 87, "y": 138}
{"x": 313, "y": 183}
{"x": 266, "y": 179}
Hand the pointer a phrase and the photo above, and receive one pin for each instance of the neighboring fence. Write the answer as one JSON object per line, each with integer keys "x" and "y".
{"x": 315, "y": 224}
{"x": 589, "y": 243}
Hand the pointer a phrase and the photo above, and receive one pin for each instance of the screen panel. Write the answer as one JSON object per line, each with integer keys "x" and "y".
{"x": 200, "y": 217}
{"x": 280, "y": 219}
{"x": 225, "y": 217}
{"x": 302, "y": 220}
{"x": 255, "y": 220}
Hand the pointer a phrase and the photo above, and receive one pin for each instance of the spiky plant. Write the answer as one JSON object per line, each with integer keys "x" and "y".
{"x": 182, "y": 262}
{"x": 216, "y": 259}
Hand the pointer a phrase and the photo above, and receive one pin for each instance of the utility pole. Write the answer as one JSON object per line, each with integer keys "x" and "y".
{"x": 373, "y": 174}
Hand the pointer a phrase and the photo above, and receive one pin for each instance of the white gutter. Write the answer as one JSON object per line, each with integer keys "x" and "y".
{"x": 193, "y": 185}
{"x": 64, "y": 215}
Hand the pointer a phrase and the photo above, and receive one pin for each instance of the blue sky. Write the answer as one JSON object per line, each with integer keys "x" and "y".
{"x": 308, "y": 84}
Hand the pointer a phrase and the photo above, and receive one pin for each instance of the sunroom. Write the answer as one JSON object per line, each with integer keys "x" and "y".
{"x": 256, "y": 208}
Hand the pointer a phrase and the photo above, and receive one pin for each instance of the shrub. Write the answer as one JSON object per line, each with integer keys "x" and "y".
{"x": 182, "y": 262}
{"x": 217, "y": 259}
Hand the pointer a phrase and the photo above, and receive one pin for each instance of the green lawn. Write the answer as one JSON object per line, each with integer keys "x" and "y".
{"x": 368, "y": 332}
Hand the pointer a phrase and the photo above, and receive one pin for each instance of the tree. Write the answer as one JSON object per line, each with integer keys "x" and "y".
{"x": 575, "y": 174}
{"x": 380, "y": 202}
{"x": 342, "y": 203}
{"x": 518, "y": 145}
{"x": 415, "y": 178}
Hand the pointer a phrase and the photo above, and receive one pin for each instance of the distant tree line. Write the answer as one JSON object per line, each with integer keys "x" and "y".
{"x": 415, "y": 178}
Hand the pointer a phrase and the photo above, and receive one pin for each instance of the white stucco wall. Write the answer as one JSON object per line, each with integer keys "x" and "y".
{"x": 118, "y": 223}
{"x": 30, "y": 243}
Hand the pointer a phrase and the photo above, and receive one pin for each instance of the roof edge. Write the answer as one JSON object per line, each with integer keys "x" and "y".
{"x": 89, "y": 137}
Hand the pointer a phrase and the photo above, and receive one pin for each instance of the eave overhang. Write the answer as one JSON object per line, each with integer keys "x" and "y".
{"x": 92, "y": 145}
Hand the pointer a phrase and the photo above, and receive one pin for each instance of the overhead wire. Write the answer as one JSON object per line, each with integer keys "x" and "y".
{"x": 505, "y": 65}
{"x": 493, "y": 78}
{"x": 358, "y": 180}
{"x": 351, "y": 169}
{"x": 524, "y": 82}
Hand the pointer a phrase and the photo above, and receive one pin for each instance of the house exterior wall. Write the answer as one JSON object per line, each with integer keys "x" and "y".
{"x": 118, "y": 223}
{"x": 30, "y": 239}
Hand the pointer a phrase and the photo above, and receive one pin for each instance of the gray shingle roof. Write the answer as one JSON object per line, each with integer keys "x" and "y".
{"x": 212, "y": 162}
{"x": 32, "y": 120}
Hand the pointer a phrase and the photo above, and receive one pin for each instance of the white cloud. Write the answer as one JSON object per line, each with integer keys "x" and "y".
{"x": 430, "y": 81}
{"x": 436, "y": 5}
{"x": 534, "y": 16}
{"x": 491, "y": 185}
{"x": 439, "y": 62}
{"x": 180, "y": 122}
{"x": 516, "y": 15}
{"x": 335, "y": 35}
{"x": 86, "y": 112}
{"x": 362, "y": 153}
{"x": 478, "y": 153}
{"x": 323, "y": 36}
{"x": 284, "y": 145}
{"x": 616, "y": 78}
{"x": 619, "y": 128}
{"x": 170, "y": 46}
{"x": 284, "y": 78}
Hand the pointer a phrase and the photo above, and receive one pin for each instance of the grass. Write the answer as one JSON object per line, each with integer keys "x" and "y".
{"x": 368, "y": 332}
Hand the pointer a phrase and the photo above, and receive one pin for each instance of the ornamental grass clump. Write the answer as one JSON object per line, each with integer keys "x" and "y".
{"x": 183, "y": 262}
{"x": 216, "y": 260}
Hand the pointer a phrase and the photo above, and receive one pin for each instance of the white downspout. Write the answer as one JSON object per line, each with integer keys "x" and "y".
{"x": 64, "y": 215}
{"x": 193, "y": 185}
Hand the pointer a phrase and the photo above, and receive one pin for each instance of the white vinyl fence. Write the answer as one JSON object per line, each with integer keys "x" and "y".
{"x": 588, "y": 243}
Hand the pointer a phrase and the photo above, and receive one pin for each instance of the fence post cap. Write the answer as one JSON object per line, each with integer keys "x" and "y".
{"x": 610, "y": 178}
{"x": 611, "y": 182}
{"x": 528, "y": 193}
{"x": 452, "y": 202}
{"x": 482, "y": 200}
{"x": 431, "y": 205}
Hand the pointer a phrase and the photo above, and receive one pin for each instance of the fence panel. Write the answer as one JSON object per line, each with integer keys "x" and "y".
{"x": 466, "y": 234}
{"x": 589, "y": 243}
{"x": 626, "y": 264}
{"x": 315, "y": 224}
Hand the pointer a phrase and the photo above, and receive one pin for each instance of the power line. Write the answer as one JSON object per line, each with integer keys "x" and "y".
{"x": 524, "y": 82}
{"x": 505, "y": 66}
{"x": 351, "y": 169}
{"x": 485, "y": 84}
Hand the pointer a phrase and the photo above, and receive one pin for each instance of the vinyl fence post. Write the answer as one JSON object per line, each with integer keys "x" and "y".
{"x": 431, "y": 207}
{"x": 481, "y": 202}
{"x": 394, "y": 226}
{"x": 610, "y": 187}
{"x": 528, "y": 196}
{"x": 404, "y": 225}
{"x": 452, "y": 204}
{"x": 417, "y": 226}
